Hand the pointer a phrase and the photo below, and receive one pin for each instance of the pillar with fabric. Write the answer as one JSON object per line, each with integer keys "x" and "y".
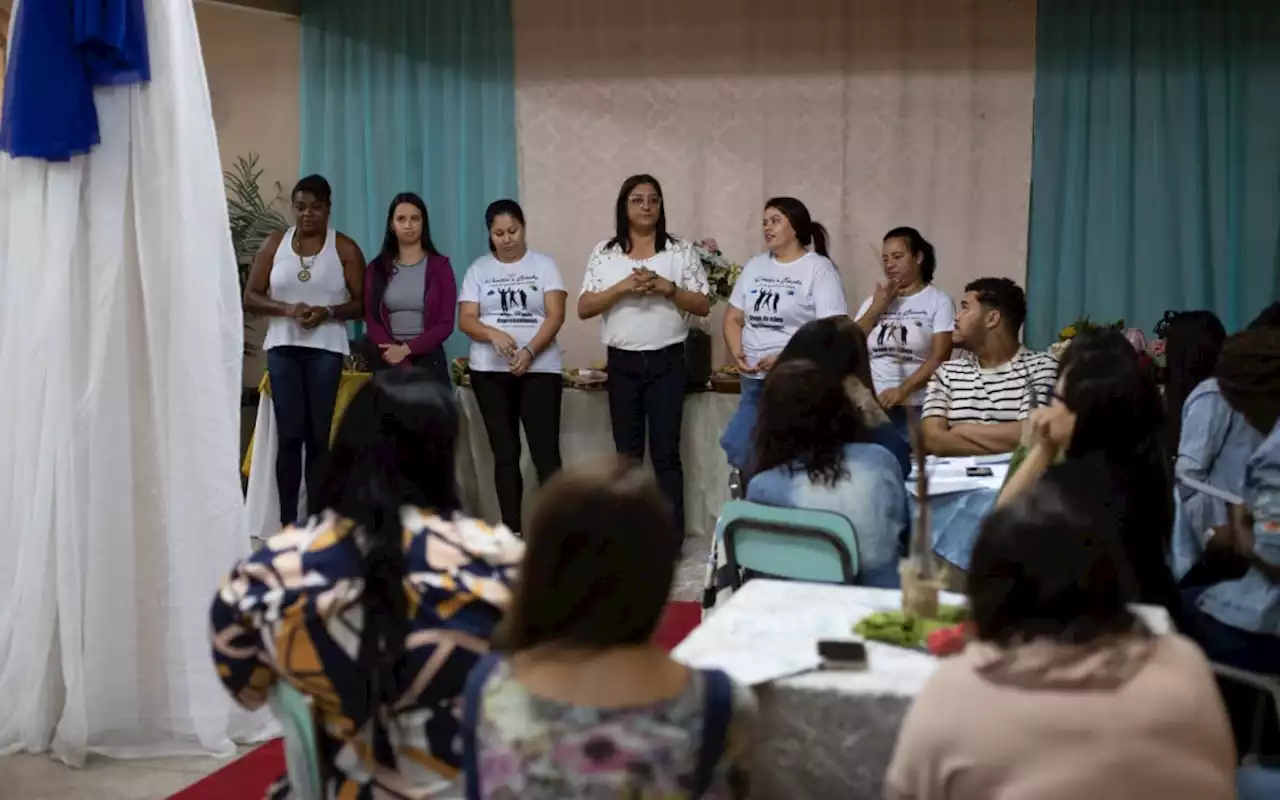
{"x": 121, "y": 339}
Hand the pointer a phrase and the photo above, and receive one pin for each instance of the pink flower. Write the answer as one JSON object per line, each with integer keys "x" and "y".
{"x": 1135, "y": 337}
{"x": 709, "y": 244}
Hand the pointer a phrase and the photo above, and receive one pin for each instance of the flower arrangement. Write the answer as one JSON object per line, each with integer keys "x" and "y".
{"x": 1080, "y": 326}
{"x": 722, "y": 273}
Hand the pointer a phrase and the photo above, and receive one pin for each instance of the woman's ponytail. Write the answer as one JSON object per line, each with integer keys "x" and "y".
{"x": 820, "y": 238}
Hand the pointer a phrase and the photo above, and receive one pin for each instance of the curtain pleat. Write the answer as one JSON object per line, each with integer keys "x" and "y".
{"x": 1156, "y": 161}
{"x": 411, "y": 96}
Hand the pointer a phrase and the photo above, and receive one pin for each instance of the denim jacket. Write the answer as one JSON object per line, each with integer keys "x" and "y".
{"x": 1214, "y": 447}
{"x": 872, "y": 496}
{"x": 1253, "y": 602}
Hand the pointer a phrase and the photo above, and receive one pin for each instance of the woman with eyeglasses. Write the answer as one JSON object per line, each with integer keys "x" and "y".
{"x": 644, "y": 284}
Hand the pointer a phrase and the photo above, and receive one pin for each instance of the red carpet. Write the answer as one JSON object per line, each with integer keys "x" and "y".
{"x": 250, "y": 775}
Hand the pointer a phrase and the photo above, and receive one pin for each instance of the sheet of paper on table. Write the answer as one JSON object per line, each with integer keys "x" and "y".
{"x": 950, "y": 475}
{"x": 760, "y": 647}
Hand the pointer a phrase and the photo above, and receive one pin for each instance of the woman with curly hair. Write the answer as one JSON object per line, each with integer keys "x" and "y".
{"x": 813, "y": 451}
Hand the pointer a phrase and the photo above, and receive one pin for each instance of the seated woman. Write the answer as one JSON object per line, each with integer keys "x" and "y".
{"x": 813, "y": 451}
{"x": 1062, "y": 692}
{"x": 1105, "y": 417}
{"x": 580, "y": 702}
{"x": 378, "y": 606}
{"x": 1237, "y": 621}
{"x": 837, "y": 346}
{"x": 1213, "y": 447}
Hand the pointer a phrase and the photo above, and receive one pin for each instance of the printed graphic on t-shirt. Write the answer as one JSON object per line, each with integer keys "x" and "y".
{"x": 902, "y": 335}
{"x": 508, "y": 297}
{"x": 770, "y": 300}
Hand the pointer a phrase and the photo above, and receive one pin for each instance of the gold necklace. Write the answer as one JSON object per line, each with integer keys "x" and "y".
{"x": 304, "y": 269}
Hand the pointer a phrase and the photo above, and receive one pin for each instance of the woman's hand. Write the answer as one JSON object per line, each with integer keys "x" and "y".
{"x": 297, "y": 311}
{"x": 503, "y": 343}
{"x": 314, "y": 317}
{"x": 637, "y": 283}
{"x": 1051, "y": 428}
{"x": 743, "y": 367}
{"x": 521, "y": 361}
{"x": 393, "y": 354}
{"x": 660, "y": 286}
{"x": 884, "y": 295}
{"x": 765, "y": 364}
{"x": 890, "y": 398}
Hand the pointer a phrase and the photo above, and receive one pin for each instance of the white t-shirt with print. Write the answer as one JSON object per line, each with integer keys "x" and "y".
{"x": 512, "y": 298}
{"x": 778, "y": 299}
{"x": 645, "y": 323}
{"x": 902, "y": 339}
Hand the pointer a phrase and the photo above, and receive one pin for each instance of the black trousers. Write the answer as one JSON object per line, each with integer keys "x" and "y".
{"x": 505, "y": 402}
{"x": 304, "y": 390}
{"x": 646, "y": 391}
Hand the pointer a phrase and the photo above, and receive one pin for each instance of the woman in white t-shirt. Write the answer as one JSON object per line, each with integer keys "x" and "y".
{"x": 908, "y": 323}
{"x": 778, "y": 292}
{"x": 512, "y": 307}
{"x": 645, "y": 283}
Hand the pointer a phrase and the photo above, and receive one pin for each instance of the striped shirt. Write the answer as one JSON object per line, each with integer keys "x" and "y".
{"x": 965, "y": 393}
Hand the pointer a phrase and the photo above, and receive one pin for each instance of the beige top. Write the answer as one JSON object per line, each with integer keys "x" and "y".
{"x": 1133, "y": 717}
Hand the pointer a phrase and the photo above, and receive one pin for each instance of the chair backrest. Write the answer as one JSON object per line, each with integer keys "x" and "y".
{"x": 301, "y": 748}
{"x": 797, "y": 543}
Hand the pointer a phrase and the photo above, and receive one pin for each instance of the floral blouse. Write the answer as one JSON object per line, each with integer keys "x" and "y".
{"x": 532, "y": 748}
{"x": 292, "y": 611}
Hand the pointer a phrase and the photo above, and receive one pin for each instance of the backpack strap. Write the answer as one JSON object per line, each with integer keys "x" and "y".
{"x": 717, "y": 710}
{"x": 469, "y": 729}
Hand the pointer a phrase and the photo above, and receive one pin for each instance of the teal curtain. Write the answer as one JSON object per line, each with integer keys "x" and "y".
{"x": 411, "y": 96}
{"x": 1155, "y": 179}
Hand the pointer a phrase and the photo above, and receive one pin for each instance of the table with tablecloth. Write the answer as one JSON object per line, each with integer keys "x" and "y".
{"x": 829, "y": 733}
{"x": 585, "y": 433}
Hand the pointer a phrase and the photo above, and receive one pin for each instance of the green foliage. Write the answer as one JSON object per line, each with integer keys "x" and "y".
{"x": 252, "y": 218}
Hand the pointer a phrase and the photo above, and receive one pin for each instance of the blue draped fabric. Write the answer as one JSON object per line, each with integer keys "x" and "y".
{"x": 1155, "y": 179}
{"x": 60, "y": 50}
{"x": 411, "y": 96}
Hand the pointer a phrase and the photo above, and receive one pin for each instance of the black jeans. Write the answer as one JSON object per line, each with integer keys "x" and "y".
{"x": 646, "y": 387}
{"x": 505, "y": 401}
{"x": 304, "y": 389}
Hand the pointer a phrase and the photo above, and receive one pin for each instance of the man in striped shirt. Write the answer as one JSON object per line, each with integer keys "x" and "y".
{"x": 976, "y": 402}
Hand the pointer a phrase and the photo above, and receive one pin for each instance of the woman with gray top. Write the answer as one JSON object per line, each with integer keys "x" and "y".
{"x": 410, "y": 293}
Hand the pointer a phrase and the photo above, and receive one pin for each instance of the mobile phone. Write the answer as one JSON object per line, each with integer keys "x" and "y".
{"x": 978, "y": 472}
{"x": 842, "y": 652}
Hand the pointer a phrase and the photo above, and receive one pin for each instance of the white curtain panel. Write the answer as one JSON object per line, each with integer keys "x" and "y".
{"x": 120, "y": 340}
{"x": 875, "y": 113}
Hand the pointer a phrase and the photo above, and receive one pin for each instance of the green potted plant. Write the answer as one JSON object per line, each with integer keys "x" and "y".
{"x": 252, "y": 217}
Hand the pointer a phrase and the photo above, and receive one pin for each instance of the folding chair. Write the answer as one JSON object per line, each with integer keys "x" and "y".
{"x": 1265, "y": 685}
{"x": 792, "y": 543}
{"x": 301, "y": 747}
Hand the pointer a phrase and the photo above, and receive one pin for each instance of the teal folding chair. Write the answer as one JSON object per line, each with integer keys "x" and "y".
{"x": 794, "y": 543}
{"x": 301, "y": 746}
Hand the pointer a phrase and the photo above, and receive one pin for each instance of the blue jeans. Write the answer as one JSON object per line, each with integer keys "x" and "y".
{"x": 646, "y": 391}
{"x": 304, "y": 389}
{"x": 736, "y": 440}
{"x": 898, "y": 419}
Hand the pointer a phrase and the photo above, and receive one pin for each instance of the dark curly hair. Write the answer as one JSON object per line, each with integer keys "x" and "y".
{"x": 833, "y": 343}
{"x": 806, "y": 418}
{"x": 1248, "y": 375}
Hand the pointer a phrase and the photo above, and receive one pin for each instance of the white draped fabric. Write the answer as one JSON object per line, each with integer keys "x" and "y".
{"x": 120, "y": 337}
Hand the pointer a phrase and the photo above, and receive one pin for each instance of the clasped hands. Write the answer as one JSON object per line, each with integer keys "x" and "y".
{"x": 643, "y": 281}
{"x": 519, "y": 358}
{"x": 309, "y": 316}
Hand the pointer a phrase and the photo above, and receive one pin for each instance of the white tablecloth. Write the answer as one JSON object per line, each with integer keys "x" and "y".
{"x": 585, "y": 433}
{"x": 825, "y": 734}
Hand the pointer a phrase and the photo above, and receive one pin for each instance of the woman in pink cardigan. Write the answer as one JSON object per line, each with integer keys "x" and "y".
{"x": 1063, "y": 693}
{"x": 410, "y": 293}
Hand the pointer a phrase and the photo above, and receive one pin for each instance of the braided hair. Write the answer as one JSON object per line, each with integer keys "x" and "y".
{"x": 1248, "y": 375}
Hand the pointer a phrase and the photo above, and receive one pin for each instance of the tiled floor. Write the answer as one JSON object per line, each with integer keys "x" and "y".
{"x": 38, "y": 777}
